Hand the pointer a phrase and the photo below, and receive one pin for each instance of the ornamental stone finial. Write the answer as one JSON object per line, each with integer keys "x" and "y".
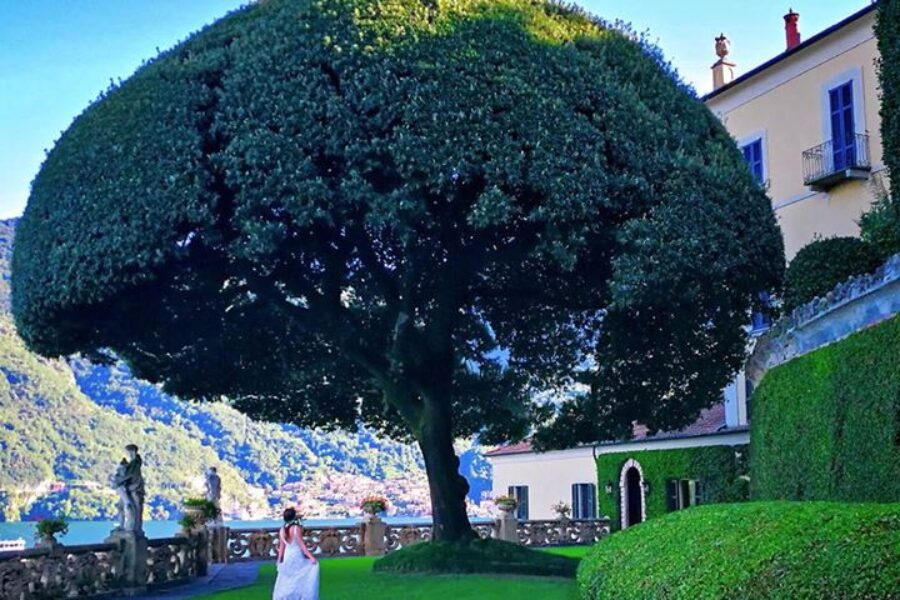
{"x": 723, "y": 46}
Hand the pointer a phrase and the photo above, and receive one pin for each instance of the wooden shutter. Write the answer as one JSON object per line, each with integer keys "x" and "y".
{"x": 671, "y": 494}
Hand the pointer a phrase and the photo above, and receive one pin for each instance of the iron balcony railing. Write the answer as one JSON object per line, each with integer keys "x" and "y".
{"x": 828, "y": 164}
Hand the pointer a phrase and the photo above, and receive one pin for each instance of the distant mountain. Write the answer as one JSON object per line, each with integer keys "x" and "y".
{"x": 63, "y": 425}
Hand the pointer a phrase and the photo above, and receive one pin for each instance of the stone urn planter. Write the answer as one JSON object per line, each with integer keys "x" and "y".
{"x": 506, "y": 504}
{"x": 373, "y": 506}
{"x": 196, "y": 513}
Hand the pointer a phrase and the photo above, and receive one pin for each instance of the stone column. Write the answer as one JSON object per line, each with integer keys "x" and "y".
{"x": 373, "y": 536}
{"x": 133, "y": 547}
{"x": 508, "y": 527}
{"x": 218, "y": 543}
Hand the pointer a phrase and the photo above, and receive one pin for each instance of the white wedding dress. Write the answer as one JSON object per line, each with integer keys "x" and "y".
{"x": 298, "y": 576}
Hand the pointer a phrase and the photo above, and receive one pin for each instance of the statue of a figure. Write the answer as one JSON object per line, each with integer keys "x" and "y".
{"x": 129, "y": 484}
{"x": 214, "y": 489}
{"x": 126, "y": 508}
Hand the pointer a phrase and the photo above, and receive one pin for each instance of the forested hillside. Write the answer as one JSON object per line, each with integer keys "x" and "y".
{"x": 63, "y": 426}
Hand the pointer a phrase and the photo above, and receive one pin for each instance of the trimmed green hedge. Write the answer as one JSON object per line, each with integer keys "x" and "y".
{"x": 751, "y": 551}
{"x": 826, "y": 426}
{"x": 718, "y": 467}
{"x": 822, "y": 264}
{"x": 887, "y": 30}
{"x": 477, "y": 556}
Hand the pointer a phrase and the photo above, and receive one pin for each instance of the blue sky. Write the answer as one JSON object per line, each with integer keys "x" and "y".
{"x": 56, "y": 55}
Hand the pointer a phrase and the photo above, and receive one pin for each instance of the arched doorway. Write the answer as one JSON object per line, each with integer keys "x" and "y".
{"x": 631, "y": 492}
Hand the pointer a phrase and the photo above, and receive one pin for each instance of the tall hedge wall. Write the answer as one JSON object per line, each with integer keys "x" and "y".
{"x": 718, "y": 467}
{"x": 826, "y": 426}
{"x": 887, "y": 29}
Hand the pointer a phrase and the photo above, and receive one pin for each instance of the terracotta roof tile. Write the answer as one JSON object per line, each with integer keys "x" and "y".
{"x": 710, "y": 421}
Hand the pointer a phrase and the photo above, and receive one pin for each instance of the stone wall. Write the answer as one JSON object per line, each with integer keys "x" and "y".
{"x": 856, "y": 304}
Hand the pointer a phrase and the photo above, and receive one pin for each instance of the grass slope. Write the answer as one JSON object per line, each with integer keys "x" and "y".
{"x": 816, "y": 550}
{"x": 354, "y": 579}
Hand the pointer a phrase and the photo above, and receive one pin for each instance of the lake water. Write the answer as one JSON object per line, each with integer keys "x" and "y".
{"x": 94, "y": 532}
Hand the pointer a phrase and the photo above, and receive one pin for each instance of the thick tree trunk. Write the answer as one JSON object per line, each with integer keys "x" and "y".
{"x": 448, "y": 488}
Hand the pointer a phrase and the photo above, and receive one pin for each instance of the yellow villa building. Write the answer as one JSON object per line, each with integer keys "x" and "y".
{"x": 808, "y": 124}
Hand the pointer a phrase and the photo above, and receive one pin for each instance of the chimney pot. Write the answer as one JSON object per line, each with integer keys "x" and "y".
{"x": 792, "y": 29}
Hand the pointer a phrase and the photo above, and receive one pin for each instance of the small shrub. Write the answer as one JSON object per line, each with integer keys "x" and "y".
{"x": 751, "y": 551}
{"x": 207, "y": 508}
{"x": 822, "y": 264}
{"x": 51, "y": 526}
{"x": 187, "y": 522}
{"x": 880, "y": 226}
{"x": 476, "y": 556}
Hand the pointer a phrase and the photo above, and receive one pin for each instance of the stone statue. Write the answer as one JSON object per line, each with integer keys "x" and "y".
{"x": 723, "y": 46}
{"x": 214, "y": 489}
{"x": 129, "y": 484}
{"x": 125, "y": 506}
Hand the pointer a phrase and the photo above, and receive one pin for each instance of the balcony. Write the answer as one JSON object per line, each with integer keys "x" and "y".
{"x": 828, "y": 164}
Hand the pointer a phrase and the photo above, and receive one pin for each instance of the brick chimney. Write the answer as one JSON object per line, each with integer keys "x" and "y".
{"x": 723, "y": 69}
{"x": 792, "y": 29}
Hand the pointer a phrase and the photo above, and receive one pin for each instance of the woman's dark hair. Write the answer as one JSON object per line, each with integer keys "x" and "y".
{"x": 290, "y": 514}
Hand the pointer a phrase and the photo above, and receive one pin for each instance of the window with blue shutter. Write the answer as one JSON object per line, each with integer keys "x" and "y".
{"x": 520, "y": 493}
{"x": 753, "y": 154}
{"x": 584, "y": 501}
{"x": 843, "y": 128}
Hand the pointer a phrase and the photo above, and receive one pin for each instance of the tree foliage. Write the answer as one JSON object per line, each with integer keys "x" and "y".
{"x": 407, "y": 214}
{"x": 822, "y": 264}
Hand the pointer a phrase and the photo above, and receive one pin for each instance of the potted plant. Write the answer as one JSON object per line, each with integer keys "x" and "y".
{"x": 197, "y": 512}
{"x": 47, "y": 529}
{"x": 187, "y": 522}
{"x": 372, "y": 505}
{"x": 507, "y": 504}
{"x": 562, "y": 510}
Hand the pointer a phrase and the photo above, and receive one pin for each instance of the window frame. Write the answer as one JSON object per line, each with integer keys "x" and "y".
{"x": 760, "y": 137}
{"x": 578, "y": 507}
{"x": 521, "y": 507}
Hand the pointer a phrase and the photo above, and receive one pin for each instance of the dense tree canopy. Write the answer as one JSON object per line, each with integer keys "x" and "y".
{"x": 413, "y": 214}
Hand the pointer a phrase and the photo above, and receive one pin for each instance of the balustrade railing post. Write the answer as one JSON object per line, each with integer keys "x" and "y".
{"x": 508, "y": 527}
{"x": 218, "y": 543}
{"x": 373, "y": 532}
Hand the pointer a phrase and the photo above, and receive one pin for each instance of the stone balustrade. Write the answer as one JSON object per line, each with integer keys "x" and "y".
{"x": 851, "y": 306}
{"x": 107, "y": 569}
{"x": 176, "y": 559}
{"x": 58, "y": 571}
{"x": 564, "y": 532}
{"x": 262, "y": 544}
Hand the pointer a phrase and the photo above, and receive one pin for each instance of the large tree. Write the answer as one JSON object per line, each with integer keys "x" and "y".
{"x": 419, "y": 216}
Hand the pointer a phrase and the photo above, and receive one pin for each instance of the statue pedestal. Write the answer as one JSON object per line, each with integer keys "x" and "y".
{"x": 134, "y": 560}
{"x": 218, "y": 543}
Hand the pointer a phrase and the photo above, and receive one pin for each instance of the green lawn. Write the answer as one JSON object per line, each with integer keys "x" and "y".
{"x": 353, "y": 579}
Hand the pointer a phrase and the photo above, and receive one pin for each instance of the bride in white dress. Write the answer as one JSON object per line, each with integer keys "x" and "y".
{"x": 298, "y": 569}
